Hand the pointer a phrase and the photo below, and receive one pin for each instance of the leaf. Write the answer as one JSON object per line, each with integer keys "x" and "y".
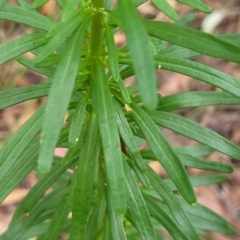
{"x": 137, "y": 207}
{"x": 173, "y": 204}
{"x": 128, "y": 138}
{"x": 201, "y": 180}
{"x": 28, "y": 17}
{"x": 62, "y": 31}
{"x": 195, "y": 40}
{"x": 194, "y": 151}
{"x": 31, "y": 65}
{"x": 124, "y": 91}
{"x": 165, "y": 7}
{"x": 116, "y": 222}
{"x": 196, "y": 132}
{"x": 59, "y": 97}
{"x": 60, "y": 216}
{"x": 19, "y": 170}
{"x": 140, "y": 52}
{"x": 103, "y": 102}
{"x": 164, "y": 219}
{"x": 83, "y": 191}
{"x": 35, "y": 194}
{"x": 196, "y": 99}
{"x": 194, "y": 162}
{"x": 76, "y": 123}
{"x": 164, "y": 153}
{"x": 11, "y": 152}
{"x": 112, "y": 53}
{"x": 2, "y": 3}
{"x": 68, "y": 9}
{"x": 207, "y": 217}
{"x": 18, "y": 46}
{"x": 197, "y": 4}
{"x": 38, "y": 3}
{"x": 14, "y": 96}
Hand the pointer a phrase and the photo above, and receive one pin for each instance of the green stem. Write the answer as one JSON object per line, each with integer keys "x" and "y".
{"x": 97, "y": 29}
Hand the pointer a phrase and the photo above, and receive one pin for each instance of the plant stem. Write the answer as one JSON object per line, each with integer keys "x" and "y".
{"x": 97, "y": 29}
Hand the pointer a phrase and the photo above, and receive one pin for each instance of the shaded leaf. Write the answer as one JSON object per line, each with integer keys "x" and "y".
{"x": 137, "y": 207}
{"x": 18, "y": 46}
{"x": 26, "y": 16}
{"x": 164, "y": 153}
{"x": 83, "y": 190}
{"x": 14, "y": 96}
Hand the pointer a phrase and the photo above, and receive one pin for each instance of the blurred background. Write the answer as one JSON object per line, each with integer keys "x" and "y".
{"x": 225, "y": 19}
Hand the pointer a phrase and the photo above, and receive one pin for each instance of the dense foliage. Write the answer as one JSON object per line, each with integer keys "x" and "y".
{"x": 104, "y": 188}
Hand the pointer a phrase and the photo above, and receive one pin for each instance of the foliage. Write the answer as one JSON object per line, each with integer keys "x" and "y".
{"x": 111, "y": 192}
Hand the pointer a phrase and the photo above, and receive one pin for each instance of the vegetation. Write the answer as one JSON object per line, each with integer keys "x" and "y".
{"x": 104, "y": 188}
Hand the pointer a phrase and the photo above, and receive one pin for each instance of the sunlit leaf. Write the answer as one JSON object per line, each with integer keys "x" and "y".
{"x": 140, "y": 52}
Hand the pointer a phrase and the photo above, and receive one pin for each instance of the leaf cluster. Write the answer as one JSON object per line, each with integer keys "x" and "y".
{"x": 104, "y": 188}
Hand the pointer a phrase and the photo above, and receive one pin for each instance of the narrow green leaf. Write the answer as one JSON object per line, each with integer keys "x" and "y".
{"x": 76, "y": 123}
{"x": 207, "y": 217}
{"x": 196, "y": 132}
{"x": 18, "y": 46}
{"x": 61, "y": 3}
{"x": 31, "y": 65}
{"x": 140, "y": 52}
{"x": 196, "y": 99}
{"x": 124, "y": 91}
{"x": 201, "y": 180}
{"x": 59, "y": 97}
{"x": 62, "y": 31}
{"x": 201, "y": 72}
{"x": 110, "y": 138}
{"x": 11, "y": 152}
{"x": 173, "y": 204}
{"x": 59, "y": 218}
{"x": 194, "y": 151}
{"x": 198, "y": 71}
{"x": 137, "y": 207}
{"x": 195, "y": 40}
{"x": 14, "y": 96}
{"x": 116, "y": 222}
{"x": 83, "y": 191}
{"x": 51, "y": 60}
{"x": 35, "y": 194}
{"x": 19, "y": 170}
{"x": 68, "y": 9}
{"x": 165, "y": 7}
{"x": 194, "y": 162}
{"x": 3, "y": 2}
{"x": 158, "y": 212}
{"x": 112, "y": 54}
{"x": 128, "y": 138}
{"x": 164, "y": 153}
{"x": 197, "y": 4}
{"x": 28, "y": 17}
{"x": 38, "y": 3}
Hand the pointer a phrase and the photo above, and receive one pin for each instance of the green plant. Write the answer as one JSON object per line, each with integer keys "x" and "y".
{"x": 107, "y": 121}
